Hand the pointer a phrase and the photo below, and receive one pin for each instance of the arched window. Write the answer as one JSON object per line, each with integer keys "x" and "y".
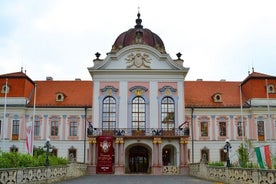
{"x": 167, "y": 113}
{"x": 109, "y": 113}
{"x": 138, "y": 113}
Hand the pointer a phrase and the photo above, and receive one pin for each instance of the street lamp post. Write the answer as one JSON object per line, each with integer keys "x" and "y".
{"x": 227, "y": 147}
{"x": 48, "y": 148}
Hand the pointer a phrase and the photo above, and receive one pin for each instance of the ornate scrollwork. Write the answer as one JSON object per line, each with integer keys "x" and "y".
{"x": 138, "y": 60}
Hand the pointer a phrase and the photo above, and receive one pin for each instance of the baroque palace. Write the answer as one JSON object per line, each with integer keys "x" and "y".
{"x": 138, "y": 114}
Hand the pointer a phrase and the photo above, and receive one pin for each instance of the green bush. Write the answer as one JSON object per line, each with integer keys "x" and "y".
{"x": 217, "y": 163}
{"x": 19, "y": 160}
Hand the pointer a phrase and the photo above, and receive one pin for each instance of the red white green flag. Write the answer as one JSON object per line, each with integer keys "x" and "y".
{"x": 263, "y": 157}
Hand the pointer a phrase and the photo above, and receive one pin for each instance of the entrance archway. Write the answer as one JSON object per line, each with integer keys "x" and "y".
{"x": 138, "y": 159}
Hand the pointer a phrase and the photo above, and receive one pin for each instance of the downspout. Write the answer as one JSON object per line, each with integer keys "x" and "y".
{"x": 84, "y": 144}
{"x": 192, "y": 132}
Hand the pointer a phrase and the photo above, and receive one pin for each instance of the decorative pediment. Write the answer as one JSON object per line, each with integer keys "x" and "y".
{"x": 109, "y": 90}
{"x": 138, "y": 90}
{"x": 167, "y": 90}
{"x": 138, "y": 60}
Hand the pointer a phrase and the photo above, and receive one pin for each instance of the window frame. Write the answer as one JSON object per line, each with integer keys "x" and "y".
{"x": 54, "y": 125}
{"x": 109, "y": 113}
{"x": 202, "y": 129}
{"x": 73, "y": 128}
{"x": 167, "y": 116}
{"x": 138, "y": 113}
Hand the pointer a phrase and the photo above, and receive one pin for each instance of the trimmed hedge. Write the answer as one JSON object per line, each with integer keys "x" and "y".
{"x": 20, "y": 160}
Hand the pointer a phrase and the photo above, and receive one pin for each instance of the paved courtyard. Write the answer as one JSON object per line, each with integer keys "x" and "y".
{"x": 135, "y": 179}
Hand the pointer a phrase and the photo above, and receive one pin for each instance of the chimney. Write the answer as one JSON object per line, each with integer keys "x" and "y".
{"x": 49, "y": 78}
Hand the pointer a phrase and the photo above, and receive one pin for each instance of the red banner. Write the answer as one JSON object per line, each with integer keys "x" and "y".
{"x": 105, "y": 152}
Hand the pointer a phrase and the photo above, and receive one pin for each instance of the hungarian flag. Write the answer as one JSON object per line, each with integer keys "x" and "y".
{"x": 29, "y": 137}
{"x": 263, "y": 157}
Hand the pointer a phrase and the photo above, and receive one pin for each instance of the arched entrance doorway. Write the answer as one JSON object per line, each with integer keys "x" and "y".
{"x": 169, "y": 155}
{"x": 138, "y": 159}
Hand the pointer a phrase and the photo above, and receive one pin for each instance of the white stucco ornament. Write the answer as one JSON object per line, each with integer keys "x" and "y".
{"x": 138, "y": 60}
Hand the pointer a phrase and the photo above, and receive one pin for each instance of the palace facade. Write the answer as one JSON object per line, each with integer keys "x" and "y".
{"x": 138, "y": 114}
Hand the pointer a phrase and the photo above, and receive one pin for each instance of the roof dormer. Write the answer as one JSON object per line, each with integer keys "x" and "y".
{"x": 270, "y": 88}
{"x": 5, "y": 89}
{"x": 217, "y": 98}
{"x": 60, "y": 97}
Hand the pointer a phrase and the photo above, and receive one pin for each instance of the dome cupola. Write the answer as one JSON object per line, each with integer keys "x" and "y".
{"x": 138, "y": 35}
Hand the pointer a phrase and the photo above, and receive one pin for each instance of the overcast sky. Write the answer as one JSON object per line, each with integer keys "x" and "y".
{"x": 218, "y": 39}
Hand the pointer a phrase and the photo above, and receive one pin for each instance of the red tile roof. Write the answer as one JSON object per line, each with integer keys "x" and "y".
{"x": 77, "y": 93}
{"x": 200, "y": 93}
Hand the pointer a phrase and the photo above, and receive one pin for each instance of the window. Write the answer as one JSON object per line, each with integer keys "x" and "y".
{"x": 223, "y": 155}
{"x": 60, "y": 97}
{"x": 5, "y": 89}
{"x": 73, "y": 129}
{"x": 240, "y": 129}
{"x": 54, "y": 128}
{"x": 0, "y": 127}
{"x": 204, "y": 128}
{"x": 54, "y": 152}
{"x": 15, "y": 129}
{"x": 13, "y": 148}
{"x": 205, "y": 154}
{"x": 222, "y": 128}
{"x": 270, "y": 88}
{"x": 261, "y": 133}
{"x": 217, "y": 97}
{"x": 109, "y": 113}
{"x": 36, "y": 128}
{"x": 167, "y": 113}
{"x": 72, "y": 153}
{"x": 138, "y": 113}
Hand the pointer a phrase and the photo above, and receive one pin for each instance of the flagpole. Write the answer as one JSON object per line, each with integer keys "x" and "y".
{"x": 268, "y": 114}
{"x": 242, "y": 124}
{"x": 33, "y": 122}
{"x": 268, "y": 109}
{"x": 4, "y": 131}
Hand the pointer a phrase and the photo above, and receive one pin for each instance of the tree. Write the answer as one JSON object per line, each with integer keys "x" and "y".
{"x": 243, "y": 156}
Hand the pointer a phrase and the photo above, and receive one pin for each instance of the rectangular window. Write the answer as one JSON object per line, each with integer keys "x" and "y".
{"x": 240, "y": 132}
{"x": 223, "y": 155}
{"x": 204, "y": 129}
{"x": 0, "y": 127}
{"x": 261, "y": 133}
{"x": 222, "y": 128}
{"x": 73, "y": 129}
{"x": 54, "y": 128}
{"x": 15, "y": 129}
{"x": 36, "y": 128}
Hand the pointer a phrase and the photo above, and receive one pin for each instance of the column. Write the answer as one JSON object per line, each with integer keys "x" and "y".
{"x": 157, "y": 156}
{"x": 116, "y": 152}
{"x": 119, "y": 156}
{"x": 91, "y": 168}
{"x": 183, "y": 149}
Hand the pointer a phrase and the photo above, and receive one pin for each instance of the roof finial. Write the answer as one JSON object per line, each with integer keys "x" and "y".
{"x": 138, "y": 20}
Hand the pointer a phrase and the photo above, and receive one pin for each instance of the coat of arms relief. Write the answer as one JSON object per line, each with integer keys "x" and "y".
{"x": 138, "y": 60}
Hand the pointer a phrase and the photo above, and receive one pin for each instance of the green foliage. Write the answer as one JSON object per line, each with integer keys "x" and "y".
{"x": 217, "y": 163}
{"x": 19, "y": 160}
{"x": 243, "y": 156}
{"x": 274, "y": 161}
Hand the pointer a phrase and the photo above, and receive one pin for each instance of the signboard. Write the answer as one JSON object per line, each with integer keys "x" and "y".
{"x": 105, "y": 152}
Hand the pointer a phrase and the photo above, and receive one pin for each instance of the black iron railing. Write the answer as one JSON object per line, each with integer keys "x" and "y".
{"x": 141, "y": 132}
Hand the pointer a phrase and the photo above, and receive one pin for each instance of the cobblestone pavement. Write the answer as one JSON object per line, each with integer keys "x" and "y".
{"x": 135, "y": 179}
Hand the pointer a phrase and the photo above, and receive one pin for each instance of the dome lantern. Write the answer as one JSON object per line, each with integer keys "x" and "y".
{"x": 138, "y": 35}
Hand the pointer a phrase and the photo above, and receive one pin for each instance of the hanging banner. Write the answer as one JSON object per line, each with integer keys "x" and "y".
{"x": 105, "y": 152}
